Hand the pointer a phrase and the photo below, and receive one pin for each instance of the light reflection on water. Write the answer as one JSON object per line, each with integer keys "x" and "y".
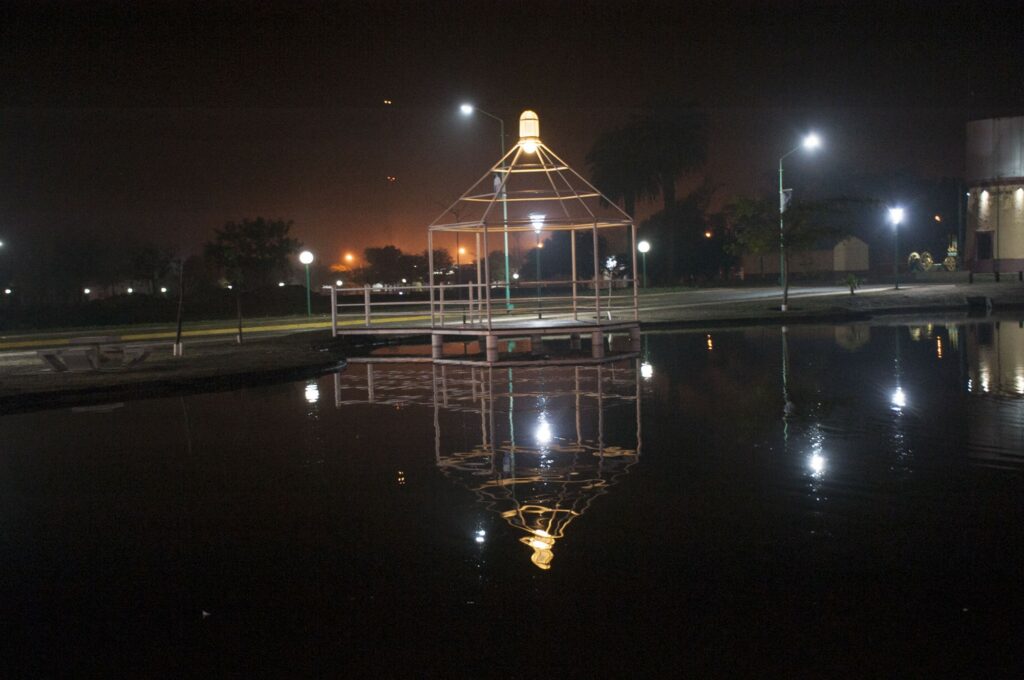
{"x": 817, "y": 483}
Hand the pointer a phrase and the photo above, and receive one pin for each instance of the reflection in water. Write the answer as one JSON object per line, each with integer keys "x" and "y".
{"x": 995, "y": 355}
{"x": 539, "y": 484}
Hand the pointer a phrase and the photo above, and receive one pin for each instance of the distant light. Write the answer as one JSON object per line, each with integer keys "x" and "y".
{"x": 387, "y": 102}
{"x": 462, "y": 250}
{"x": 707, "y": 234}
{"x": 306, "y": 257}
{"x": 1, "y": 244}
{"x": 710, "y": 343}
{"x": 529, "y": 146}
{"x": 7, "y": 291}
{"x": 229, "y": 288}
{"x": 817, "y": 463}
{"x": 481, "y": 536}
{"x": 132, "y": 290}
{"x": 87, "y": 291}
{"x": 280, "y": 284}
{"x": 516, "y": 276}
{"x": 812, "y": 142}
{"x": 312, "y": 393}
{"x": 404, "y": 281}
{"x": 339, "y": 283}
{"x": 984, "y": 194}
{"x": 466, "y": 109}
{"x": 541, "y": 244}
{"x": 895, "y": 215}
{"x": 537, "y": 220}
{"x": 643, "y": 246}
{"x": 646, "y": 371}
{"x": 899, "y": 398}
{"x": 938, "y": 218}
{"x": 163, "y": 289}
{"x": 968, "y": 194}
{"x": 349, "y": 257}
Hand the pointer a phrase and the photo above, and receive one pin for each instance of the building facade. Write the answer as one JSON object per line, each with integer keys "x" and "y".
{"x": 994, "y": 240}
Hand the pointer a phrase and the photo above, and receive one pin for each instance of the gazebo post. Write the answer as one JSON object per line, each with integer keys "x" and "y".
{"x": 487, "y": 279}
{"x": 597, "y": 287}
{"x": 636, "y": 291}
{"x": 430, "y": 266}
{"x": 572, "y": 235}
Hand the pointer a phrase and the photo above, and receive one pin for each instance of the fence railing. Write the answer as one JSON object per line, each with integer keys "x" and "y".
{"x": 467, "y": 303}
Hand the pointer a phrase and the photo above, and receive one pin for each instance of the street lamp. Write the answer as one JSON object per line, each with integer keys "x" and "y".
{"x": 895, "y": 216}
{"x": 306, "y": 258}
{"x": 643, "y": 247}
{"x": 809, "y": 143}
{"x": 467, "y": 110}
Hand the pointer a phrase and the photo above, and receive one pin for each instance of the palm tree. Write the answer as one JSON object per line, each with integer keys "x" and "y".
{"x": 645, "y": 157}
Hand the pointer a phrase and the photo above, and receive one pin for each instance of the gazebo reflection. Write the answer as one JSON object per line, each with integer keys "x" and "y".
{"x": 551, "y": 439}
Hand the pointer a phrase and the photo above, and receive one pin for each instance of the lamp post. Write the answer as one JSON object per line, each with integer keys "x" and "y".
{"x": 643, "y": 247}
{"x": 468, "y": 110}
{"x": 306, "y": 258}
{"x": 809, "y": 143}
{"x": 895, "y": 216}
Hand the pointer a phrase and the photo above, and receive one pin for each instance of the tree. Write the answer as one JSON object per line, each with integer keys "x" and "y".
{"x": 687, "y": 224}
{"x": 618, "y": 171}
{"x": 755, "y": 224}
{"x": 252, "y": 253}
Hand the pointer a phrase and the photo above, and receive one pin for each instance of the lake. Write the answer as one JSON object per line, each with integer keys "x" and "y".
{"x": 817, "y": 500}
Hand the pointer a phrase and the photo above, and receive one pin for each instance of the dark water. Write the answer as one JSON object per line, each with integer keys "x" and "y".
{"x": 829, "y": 501}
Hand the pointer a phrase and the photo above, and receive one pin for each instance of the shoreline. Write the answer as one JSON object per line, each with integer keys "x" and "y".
{"x": 310, "y": 353}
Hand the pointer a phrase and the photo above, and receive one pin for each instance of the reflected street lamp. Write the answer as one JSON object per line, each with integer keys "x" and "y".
{"x": 643, "y": 247}
{"x": 306, "y": 258}
{"x": 468, "y": 110}
{"x": 809, "y": 143}
{"x": 895, "y": 216}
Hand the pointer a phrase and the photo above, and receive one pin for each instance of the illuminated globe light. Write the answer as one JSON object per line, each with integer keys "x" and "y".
{"x": 163, "y": 289}
{"x": 646, "y": 371}
{"x": 280, "y": 284}
{"x": 306, "y": 257}
{"x": 7, "y": 291}
{"x": 132, "y": 290}
{"x": 529, "y": 131}
{"x": 643, "y": 247}
{"x": 537, "y": 220}
{"x": 87, "y": 291}
{"x": 339, "y": 283}
{"x": 516, "y": 276}
{"x": 899, "y": 398}
{"x": 812, "y": 142}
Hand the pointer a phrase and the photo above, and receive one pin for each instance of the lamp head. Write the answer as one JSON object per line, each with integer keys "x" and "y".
{"x": 306, "y": 257}
{"x": 643, "y": 246}
{"x": 466, "y": 109}
{"x": 895, "y": 216}
{"x": 812, "y": 142}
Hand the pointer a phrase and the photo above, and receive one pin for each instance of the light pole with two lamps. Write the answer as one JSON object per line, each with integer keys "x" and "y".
{"x": 809, "y": 143}
{"x": 895, "y": 216}
{"x": 306, "y": 258}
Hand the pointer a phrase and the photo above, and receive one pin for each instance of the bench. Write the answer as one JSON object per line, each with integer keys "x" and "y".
{"x": 95, "y": 353}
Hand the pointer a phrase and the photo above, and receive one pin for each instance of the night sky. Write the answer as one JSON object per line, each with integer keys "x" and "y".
{"x": 166, "y": 119}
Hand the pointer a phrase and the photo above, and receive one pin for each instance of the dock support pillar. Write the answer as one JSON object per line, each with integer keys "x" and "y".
{"x": 436, "y": 346}
{"x": 492, "y": 348}
{"x": 574, "y": 341}
{"x": 597, "y": 344}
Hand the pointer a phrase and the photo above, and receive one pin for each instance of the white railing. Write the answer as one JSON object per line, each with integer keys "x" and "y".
{"x": 468, "y": 304}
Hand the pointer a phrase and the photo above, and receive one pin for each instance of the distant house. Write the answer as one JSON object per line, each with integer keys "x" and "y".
{"x": 848, "y": 255}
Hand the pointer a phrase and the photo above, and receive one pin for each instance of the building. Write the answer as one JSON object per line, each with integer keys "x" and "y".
{"x": 846, "y": 256}
{"x": 995, "y": 195}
